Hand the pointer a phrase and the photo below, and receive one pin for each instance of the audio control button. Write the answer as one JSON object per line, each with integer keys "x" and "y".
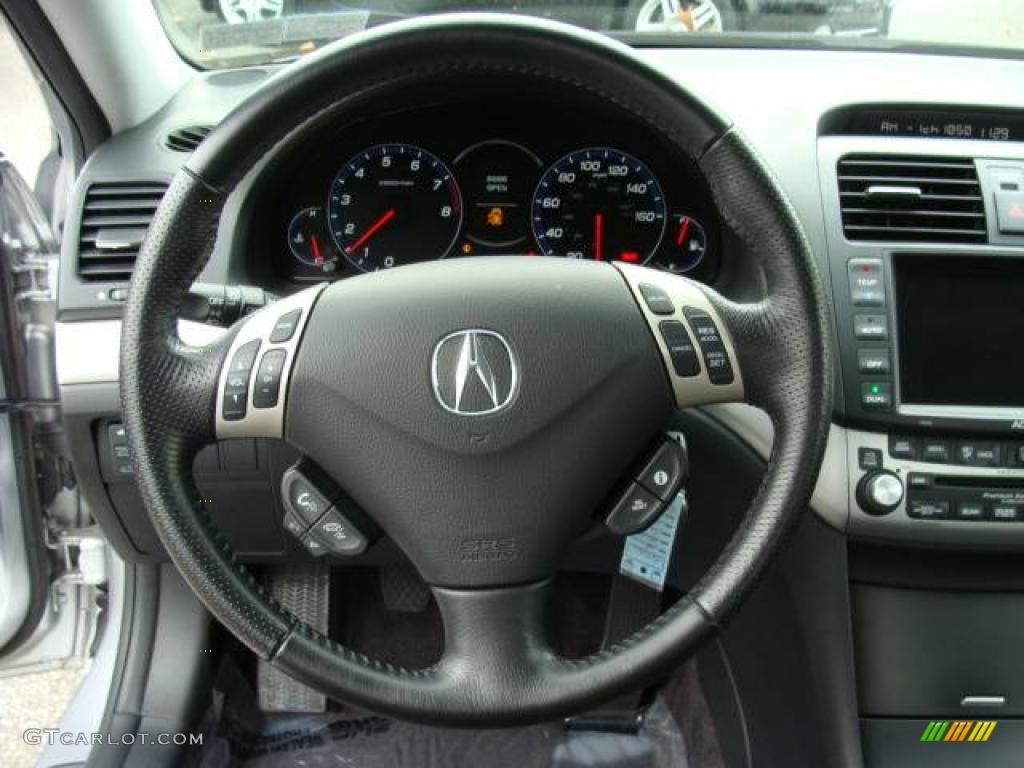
{"x": 1007, "y": 513}
{"x": 903, "y": 447}
{"x": 970, "y": 511}
{"x": 879, "y": 493}
{"x": 935, "y": 450}
{"x": 922, "y": 509}
{"x": 978, "y": 454}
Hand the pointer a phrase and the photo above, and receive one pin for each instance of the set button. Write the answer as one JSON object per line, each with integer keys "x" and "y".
{"x": 716, "y": 359}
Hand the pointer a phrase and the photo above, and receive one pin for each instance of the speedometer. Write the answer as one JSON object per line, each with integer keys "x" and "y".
{"x": 599, "y": 203}
{"x": 394, "y": 204}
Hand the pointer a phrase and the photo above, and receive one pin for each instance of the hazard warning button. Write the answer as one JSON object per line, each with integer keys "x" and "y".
{"x": 1010, "y": 208}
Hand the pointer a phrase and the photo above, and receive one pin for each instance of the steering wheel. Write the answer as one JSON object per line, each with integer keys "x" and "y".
{"x": 482, "y": 491}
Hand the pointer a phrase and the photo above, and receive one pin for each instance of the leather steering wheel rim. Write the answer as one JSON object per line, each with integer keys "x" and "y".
{"x": 498, "y": 669}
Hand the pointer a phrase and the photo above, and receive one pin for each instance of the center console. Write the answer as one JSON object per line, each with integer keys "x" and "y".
{"x": 926, "y": 245}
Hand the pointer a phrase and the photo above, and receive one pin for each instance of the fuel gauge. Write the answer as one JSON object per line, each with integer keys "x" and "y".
{"x": 309, "y": 240}
{"x": 685, "y": 247}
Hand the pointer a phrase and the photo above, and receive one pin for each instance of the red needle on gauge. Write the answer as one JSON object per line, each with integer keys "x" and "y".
{"x": 598, "y": 236}
{"x": 684, "y": 227}
{"x": 316, "y": 249}
{"x": 387, "y": 216}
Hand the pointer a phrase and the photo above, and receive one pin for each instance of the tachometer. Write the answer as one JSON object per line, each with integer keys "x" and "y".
{"x": 394, "y": 204}
{"x": 599, "y": 203}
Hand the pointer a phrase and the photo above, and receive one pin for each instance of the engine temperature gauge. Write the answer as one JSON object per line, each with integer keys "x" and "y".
{"x": 309, "y": 240}
{"x": 685, "y": 246}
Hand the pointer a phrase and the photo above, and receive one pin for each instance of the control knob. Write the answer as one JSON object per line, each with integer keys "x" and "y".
{"x": 879, "y": 492}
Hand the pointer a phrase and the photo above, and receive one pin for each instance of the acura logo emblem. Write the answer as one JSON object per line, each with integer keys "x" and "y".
{"x": 474, "y": 372}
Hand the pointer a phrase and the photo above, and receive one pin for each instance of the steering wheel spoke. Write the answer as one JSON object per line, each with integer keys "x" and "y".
{"x": 697, "y": 346}
{"x": 495, "y": 647}
{"x": 253, "y": 386}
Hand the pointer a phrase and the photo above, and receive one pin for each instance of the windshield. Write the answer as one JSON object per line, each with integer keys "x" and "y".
{"x": 226, "y": 33}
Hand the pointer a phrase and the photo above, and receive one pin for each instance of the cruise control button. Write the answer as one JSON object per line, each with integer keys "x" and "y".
{"x": 635, "y": 511}
{"x": 285, "y": 326}
{"x": 928, "y": 510}
{"x": 338, "y": 535}
{"x": 656, "y": 299}
{"x": 665, "y": 471}
{"x": 716, "y": 359}
{"x": 680, "y": 348}
{"x": 268, "y": 379}
{"x": 302, "y": 498}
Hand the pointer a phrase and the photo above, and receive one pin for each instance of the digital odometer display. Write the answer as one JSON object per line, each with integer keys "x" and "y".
{"x": 394, "y": 204}
{"x": 599, "y": 203}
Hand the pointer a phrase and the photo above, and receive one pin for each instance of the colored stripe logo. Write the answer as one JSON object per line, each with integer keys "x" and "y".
{"x": 959, "y": 730}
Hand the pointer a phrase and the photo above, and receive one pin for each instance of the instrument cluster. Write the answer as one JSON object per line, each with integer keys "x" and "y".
{"x": 494, "y": 183}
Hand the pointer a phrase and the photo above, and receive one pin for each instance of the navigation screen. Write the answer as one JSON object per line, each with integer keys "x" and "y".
{"x": 961, "y": 329}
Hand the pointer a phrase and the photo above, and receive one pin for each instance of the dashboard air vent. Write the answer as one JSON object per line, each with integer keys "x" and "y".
{"x": 910, "y": 198}
{"x": 188, "y": 138}
{"x": 115, "y": 217}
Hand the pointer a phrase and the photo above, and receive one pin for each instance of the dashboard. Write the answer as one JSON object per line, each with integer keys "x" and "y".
{"x": 530, "y": 177}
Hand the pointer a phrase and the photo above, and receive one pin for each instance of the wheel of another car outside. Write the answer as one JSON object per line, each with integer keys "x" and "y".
{"x": 244, "y": 11}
